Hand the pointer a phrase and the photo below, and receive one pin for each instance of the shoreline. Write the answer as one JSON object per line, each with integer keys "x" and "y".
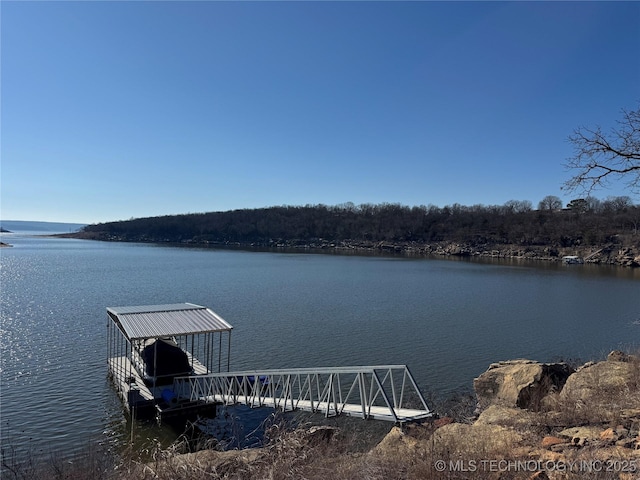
{"x": 623, "y": 254}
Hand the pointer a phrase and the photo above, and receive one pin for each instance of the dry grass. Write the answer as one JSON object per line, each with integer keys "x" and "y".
{"x": 324, "y": 453}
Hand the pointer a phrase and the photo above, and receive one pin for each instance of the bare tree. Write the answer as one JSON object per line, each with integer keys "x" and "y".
{"x": 550, "y": 203}
{"x": 599, "y": 158}
{"x": 518, "y": 206}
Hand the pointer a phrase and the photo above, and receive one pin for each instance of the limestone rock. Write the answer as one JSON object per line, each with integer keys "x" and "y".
{"x": 519, "y": 383}
{"x": 462, "y": 438}
{"x": 508, "y": 417}
{"x": 602, "y": 384}
{"x": 396, "y": 443}
{"x": 205, "y": 459}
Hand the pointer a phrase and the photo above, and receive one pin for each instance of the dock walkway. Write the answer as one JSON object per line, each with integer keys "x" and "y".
{"x": 386, "y": 392}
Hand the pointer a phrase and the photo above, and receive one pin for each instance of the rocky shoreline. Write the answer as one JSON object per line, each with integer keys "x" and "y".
{"x": 625, "y": 254}
{"x": 534, "y": 421}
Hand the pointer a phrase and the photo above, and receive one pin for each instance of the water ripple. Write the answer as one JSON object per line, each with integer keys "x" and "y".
{"x": 447, "y": 320}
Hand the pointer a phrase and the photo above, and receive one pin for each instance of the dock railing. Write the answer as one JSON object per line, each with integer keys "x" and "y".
{"x": 385, "y": 392}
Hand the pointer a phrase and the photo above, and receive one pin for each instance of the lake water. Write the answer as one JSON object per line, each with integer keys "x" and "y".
{"x": 447, "y": 320}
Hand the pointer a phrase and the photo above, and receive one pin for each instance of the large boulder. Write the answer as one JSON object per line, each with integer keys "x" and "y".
{"x": 476, "y": 439}
{"x": 512, "y": 417}
{"x": 605, "y": 384}
{"x": 519, "y": 383}
{"x": 398, "y": 444}
{"x": 598, "y": 393}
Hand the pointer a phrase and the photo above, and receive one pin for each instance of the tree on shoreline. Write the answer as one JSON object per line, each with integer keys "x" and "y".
{"x": 599, "y": 157}
{"x": 550, "y": 203}
{"x": 587, "y": 221}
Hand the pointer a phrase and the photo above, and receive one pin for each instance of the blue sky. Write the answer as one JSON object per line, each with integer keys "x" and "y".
{"x": 113, "y": 110}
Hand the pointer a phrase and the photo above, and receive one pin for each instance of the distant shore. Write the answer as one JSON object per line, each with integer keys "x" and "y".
{"x": 625, "y": 255}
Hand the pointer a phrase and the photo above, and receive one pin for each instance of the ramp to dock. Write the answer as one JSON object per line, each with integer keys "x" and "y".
{"x": 383, "y": 392}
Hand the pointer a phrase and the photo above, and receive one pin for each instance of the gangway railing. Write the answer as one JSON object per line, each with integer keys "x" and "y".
{"x": 384, "y": 392}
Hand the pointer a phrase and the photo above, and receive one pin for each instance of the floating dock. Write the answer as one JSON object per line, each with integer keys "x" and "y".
{"x": 167, "y": 361}
{"x": 148, "y": 346}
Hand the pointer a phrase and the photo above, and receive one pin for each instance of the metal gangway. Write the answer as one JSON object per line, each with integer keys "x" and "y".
{"x": 384, "y": 392}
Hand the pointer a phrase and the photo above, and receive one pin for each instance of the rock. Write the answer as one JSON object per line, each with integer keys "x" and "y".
{"x": 508, "y": 417}
{"x": 397, "y": 444}
{"x": 617, "y": 356}
{"x": 465, "y": 439}
{"x": 603, "y": 387}
{"x": 615, "y": 454}
{"x": 609, "y": 435}
{"x": 586, "y": 365}
{"x": 563, "y": 447}
{"x": 206, "y": 459}
{"x": 627, "y": 443}
{"x": 519, "y": 383}
{"x": 441, "y": 422}
{"x": 320, "y": 434}
{"x": 549, "y": 441}
{"x": 621, "y": 431}
{"x": 581, "y": 436}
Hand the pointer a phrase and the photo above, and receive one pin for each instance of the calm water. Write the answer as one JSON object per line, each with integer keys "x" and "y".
{"x": 447, "y": 320}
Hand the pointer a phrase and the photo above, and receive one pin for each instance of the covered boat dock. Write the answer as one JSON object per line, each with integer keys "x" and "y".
{"x": 171, "y": 360}
{"x": 149, "y": 346}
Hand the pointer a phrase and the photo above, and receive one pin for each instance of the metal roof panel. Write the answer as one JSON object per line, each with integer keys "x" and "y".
{"x": 153, "y": 321}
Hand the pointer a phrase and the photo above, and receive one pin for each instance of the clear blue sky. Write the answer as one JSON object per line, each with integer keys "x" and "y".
{"x": 113, "y": 110}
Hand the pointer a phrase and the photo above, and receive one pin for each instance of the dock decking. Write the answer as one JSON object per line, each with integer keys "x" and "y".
{"x": 143, "y": 401}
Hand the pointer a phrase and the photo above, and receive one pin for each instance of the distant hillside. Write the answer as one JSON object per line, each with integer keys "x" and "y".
{"x": 454, "y": 229}
{"x": 21, "y": 226}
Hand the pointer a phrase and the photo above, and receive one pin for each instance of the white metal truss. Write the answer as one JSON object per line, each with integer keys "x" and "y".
{"x": 384, "y": 392}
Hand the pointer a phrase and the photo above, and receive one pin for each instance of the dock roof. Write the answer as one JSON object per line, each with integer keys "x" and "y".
{"x": 154, "y": 321}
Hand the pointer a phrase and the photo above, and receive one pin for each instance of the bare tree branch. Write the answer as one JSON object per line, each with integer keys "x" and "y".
{"x": 600, "y": 158}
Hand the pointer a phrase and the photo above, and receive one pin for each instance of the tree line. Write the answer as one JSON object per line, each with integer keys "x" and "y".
{"x": 598, "y": 158}
{"x": 584, "y": 221}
